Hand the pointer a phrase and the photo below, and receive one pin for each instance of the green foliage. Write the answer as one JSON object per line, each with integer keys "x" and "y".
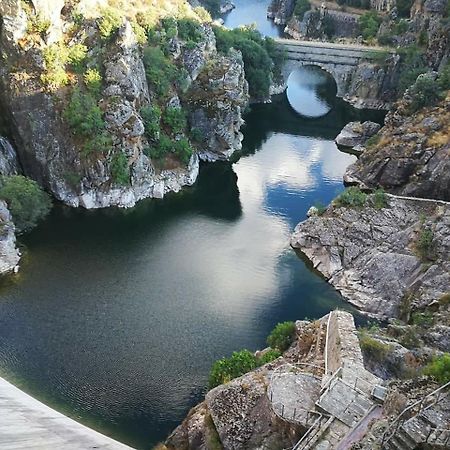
{"x": 373, "y": 348}
{"x": 268, "y": 357}
{"x": 202, "y": 14}
{"x": 226, "y": 369}
{"x": 93, "y": 81}
{"x": 412, "y": 65}
{"x": 439, "y": 368}
{"x": 27, "y": 202}
{"x": 424, "y": 319}
{"x": 151, "y": 115}
{"x": 369, "y": 23}
{"x": 83, "y": 114}
{"x": 424, "y": 243}
{"x": 385, "y": 39}
{"x": 77, "y": 55}
{"x": 98, "y": 143}
{"x": 140, "y": 32}
{"x": 38, "y": 24}
{"x": 175, "y": 119}
{"x": 161, "y": 149}
{"x": 351, "y": 197}
{"x": 190, "y": 30}
{"x": 379, "y": 199}
{"x": 320, "y": 207}
{"x": 301, "y": 6}
{"x": 120, "y": 169}
{"x": 282, "y": 336}
{"x": 373, "y": 140}
{"x": 401, "y": 26}
{"x": 183, "y": 150}
{"x": 197, "y": 135}
{"x": 409, "y": 338}
{"x": 424, "y": 92}
{"x": 259, "y": 55}
{"x": 109, "y": 22}
{"x": 160, "y": 71}
{"x": 55, "y": 58}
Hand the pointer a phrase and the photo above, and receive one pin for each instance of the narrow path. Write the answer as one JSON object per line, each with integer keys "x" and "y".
{"x": 28, "y": 424}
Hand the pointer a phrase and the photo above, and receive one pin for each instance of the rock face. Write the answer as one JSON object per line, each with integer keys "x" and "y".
{"x": 412, "y": 156}
{"x": 356, "y": 133}
{"x": 280, "y": 11}
{"x": 219, "y": 120}
{"x": 9, "y": 163}
{"x": 50, "y": 153}
{"x": 371, "y": 255}
{"x": 9, "y": 255}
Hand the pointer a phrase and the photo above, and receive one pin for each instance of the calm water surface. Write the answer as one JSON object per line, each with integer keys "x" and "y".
{"x": 117, "y": 316}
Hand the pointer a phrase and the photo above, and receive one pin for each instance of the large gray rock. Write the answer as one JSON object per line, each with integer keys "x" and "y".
{"x": 356, "y": 133}
{"x": 9, "y": 163}
{"x": 280, "y": 11}
{"x": 370, "y": 254}
{"x": 9, "y": 254}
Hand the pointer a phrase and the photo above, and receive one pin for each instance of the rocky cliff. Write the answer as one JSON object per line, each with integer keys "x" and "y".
{"x": 9, "y": 254}
{"x": 381, "y": 258}
{"x": 280, "y": 11}
{"x": 410, "y": 155}
{"x": 118, "y": 166}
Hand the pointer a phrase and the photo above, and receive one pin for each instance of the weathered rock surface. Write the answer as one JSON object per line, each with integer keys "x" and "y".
{"x": 356, "y": 133}
{"x": 280, "y": 11}
{"x": 412, "y": 156}
{"x": 9, "y": 163}
{"x": 370, "y": 255}
{"x": 9, "y": 254}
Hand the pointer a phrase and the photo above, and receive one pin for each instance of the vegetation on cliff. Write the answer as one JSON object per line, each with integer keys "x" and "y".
{"x": 27, "y": 202}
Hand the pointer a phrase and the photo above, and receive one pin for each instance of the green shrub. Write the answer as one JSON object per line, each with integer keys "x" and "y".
{"x": 197, "y": 135}
{"x": 268, "y": 357}
{"x": 413, "y": 64}
{"x": 83, "y": 114}
{"x": 151, "y": 116}
{"x": 369, "y": 23}
{"x": 401, "y": 27}
{"x": 109, "y": 22}
{"x": 161, "y": 149}
{"x": 373, "y": 140}
{"x": 76, "y": 56}
{"x": 379, "y": 199}
{"x": 301, "y": 6}
{"x": 27, "y": 202}
{"x": 120, "y": 169}
{"x": 424, "y": 243}
{"x": 98, "y": 143}
{"x": 202, "y": 14}
{"x": 439, "y": 368}
{"x": 410, "y": 338}
{"x": 226, "y": 369}
{"x": 424, "y": 319}
{"x": 373, "y": 348}
{"x": 38, "y": 24}
{"x": 282, "y": 336}
{"x": 160, "y": 71}
{"x": 93, "y": 81}
{"x": 55, "y": 58}
{"x": 352, "y": 197}
{"x": 424, "y": 92}
{"x": 190, "y": 30}
{"x": 183, "y": 150}
{"x": 404, "y": 7}
{"x": 175, "y": 119}
{"x": 385, "y": 39}
{"x": 444, "y": 77}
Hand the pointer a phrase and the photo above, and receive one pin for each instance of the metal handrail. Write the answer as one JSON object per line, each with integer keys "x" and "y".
{"x": 394, "y": 425}
{"x": 306, "y": 437}
{"x": 326, "y": 343}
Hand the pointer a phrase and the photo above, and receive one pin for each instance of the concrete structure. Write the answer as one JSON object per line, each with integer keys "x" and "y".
{"x": 27, "y": 424}
{"x": 339, "y": 60}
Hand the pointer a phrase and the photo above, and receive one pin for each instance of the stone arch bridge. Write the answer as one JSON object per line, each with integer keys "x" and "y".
{"x": 340, "y": 60}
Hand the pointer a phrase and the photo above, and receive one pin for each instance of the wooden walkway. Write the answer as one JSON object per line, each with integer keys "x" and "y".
{"x": 26, "y": 423}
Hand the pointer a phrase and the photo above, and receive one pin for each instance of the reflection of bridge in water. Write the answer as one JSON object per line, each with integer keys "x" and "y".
{"x": 340, "y": 60}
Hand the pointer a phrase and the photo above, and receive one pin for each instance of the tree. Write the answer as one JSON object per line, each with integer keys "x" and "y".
{"x": 282, "y": 336}
{"x": 27, "y": 202}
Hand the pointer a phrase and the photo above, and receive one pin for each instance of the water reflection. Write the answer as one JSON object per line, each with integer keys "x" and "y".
{"x": 311, "y": 91}
{"x": 249, "y": 12}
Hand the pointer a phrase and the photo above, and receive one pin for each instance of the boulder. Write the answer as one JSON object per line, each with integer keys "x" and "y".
{"x": 9, "y": 254}
{"x": 356, "y": 133}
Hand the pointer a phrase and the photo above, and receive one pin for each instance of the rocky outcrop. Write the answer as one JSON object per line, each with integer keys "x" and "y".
{"x": 280, "y": 11}
{"x": 356, "y": 133}
{"x": 9, "y": 254}
{"x": 9, "y": 163}
{"x": 412, "y": 155}
{"x": 219, "y": 121}
{"x": 373, "y": 257}
{"x": 50, "y": 153}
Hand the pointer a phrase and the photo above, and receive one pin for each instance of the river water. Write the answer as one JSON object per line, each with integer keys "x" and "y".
{"x": 117, "y": 316}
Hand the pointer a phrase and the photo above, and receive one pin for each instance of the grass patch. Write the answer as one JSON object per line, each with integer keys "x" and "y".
{"x": 352, "y": 197}
{"x": 282, "y": 336}
{"x": 439, "y": 368}
{"x": 373, "y": 348}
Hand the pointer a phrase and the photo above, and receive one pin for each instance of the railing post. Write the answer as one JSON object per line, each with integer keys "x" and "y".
{"x": 428, "y": 435}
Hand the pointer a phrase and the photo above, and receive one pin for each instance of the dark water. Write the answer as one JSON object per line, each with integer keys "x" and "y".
{"x": 248, "y": 12}
{"x": 311, "y": 91}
